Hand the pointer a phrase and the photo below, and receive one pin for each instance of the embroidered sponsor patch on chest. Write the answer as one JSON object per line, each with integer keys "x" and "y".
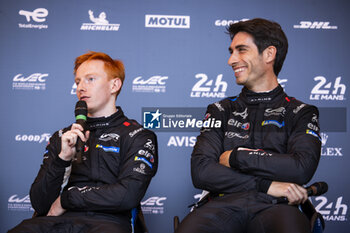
{"x": 109, "y": 148}
{"x": 273, "y": 122}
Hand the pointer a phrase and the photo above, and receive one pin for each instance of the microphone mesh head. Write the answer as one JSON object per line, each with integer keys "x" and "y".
{"x": 322, "y": 187}
{"x": 80, "y": 108}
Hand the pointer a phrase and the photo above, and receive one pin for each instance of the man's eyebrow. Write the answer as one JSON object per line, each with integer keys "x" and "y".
{"x": 241, "y": 46}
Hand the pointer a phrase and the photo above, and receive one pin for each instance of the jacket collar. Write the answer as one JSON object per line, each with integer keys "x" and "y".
{"x": 251, "y": 97}
{"x": 102, "y": 122}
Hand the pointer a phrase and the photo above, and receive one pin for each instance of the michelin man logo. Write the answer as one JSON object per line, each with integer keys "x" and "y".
{"x": 100, "y": 23}
{"x": 101, "y": 20}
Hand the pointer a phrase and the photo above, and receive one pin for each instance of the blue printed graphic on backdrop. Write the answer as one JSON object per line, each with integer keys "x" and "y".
{"x": 152, "y": 119}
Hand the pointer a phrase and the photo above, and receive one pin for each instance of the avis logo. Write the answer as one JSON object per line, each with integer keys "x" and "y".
{"x": 314, "y": 25}
{"x": 153, "y": 205}
{"x": 177, "y": 141}
{"x": 38, "y": 15}
{"x": 100, "y": 23}
{"x": 329, "y": 151}
{"x": 34, "y": 81}
{"x": 154, "y": 84}
{"x": 205, "y": 88}
{"x": 326, "y": 91}
{"x": 331, "y": 211}
{"x": 152, "y": 120}
{"x": 167, "y": 21}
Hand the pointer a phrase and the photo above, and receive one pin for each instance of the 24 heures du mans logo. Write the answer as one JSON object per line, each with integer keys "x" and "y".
{"x": 325, "y": 90}
{"x": 331, "y": 210}
{"x": 207, "y": 88}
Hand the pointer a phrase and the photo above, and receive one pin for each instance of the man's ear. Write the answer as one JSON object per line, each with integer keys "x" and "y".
{"x": 270, "y": 54}
{"x": 116, "y": 84}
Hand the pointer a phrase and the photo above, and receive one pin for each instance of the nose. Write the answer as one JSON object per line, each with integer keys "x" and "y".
{"x": 81, "y": 87}
{"x": 233, "y": 59}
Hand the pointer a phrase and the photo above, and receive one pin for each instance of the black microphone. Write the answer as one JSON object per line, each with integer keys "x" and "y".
{"x": 80, "y": 118}
{"x": 316, "y": 189}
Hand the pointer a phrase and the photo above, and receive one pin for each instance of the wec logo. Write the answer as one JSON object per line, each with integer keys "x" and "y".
{"x": 203, "y": 87}
{"x": 16, "y": 199}
{"x": 154, "y": 84}
{"x": 16, "y": 203}
{"x": 36, "y": 77}
{"x": 314, "y": 25}
{"x": 154, "y": 201}
{"x": 322, "y": 90}
{"x": 35, "y": 81}
{"x": 154, "y": 80}
{"x": 153, "y": 205}
{"x": 38, "y": 15}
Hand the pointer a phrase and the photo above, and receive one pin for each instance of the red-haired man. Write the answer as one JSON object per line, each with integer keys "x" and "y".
{"x": 119, "y": 160}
